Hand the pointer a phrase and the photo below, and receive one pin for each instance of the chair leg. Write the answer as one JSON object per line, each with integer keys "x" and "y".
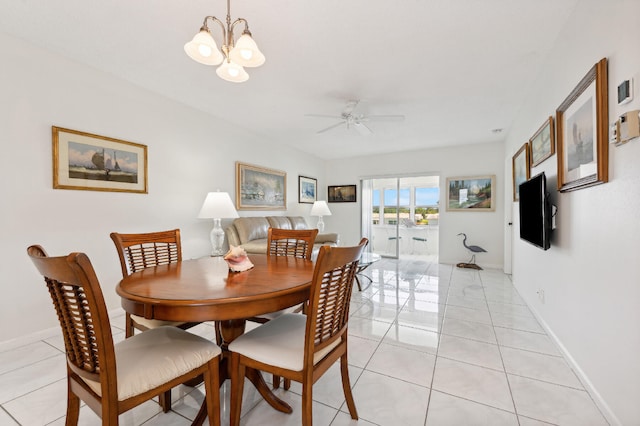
{"x": 165, "y": 401}
{"x": 128, "y": 326}
{"x": 212, "y": 388}
{"x": 287, "y": 384}
{"x": 237, "y": 388}
{"x": 73, "y": 407}
{"x": 346, "y": 387}
{"x": 307, "y": 401}
{"x": 276, "y": 381}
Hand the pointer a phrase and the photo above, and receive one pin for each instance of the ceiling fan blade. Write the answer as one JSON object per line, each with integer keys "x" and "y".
{"x": 331, "y": 127}
{"x": 383, "y": 118}
{"x": 362, "y": 129}
{"x": 336, "y": 117}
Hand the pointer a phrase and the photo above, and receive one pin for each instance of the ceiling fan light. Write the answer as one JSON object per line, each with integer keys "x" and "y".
{"x": 230, "y": 71}
{"x": 203, "y": 48}
{"x": 246, "y": 52}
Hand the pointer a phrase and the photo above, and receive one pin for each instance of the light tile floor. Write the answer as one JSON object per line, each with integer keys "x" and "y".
{"x": 429, "y": 344}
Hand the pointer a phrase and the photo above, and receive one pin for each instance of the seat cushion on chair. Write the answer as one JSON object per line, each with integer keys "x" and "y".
{"x": 157, "y": 356}
{"x": 279, "y": 342}
{"x": 153, "y": 323}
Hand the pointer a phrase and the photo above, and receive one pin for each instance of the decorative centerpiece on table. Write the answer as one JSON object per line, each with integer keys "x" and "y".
{"x": 237, "y": 259}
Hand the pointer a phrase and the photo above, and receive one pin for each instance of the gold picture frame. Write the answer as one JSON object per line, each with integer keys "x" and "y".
{"x": 85, "y": 161}
{"x": 472, "y": 193}
{"x": 259, "y": 188}
{"x": 582, "y": 132}
{"x": 521, "y": 171}
{"x": 542, "y": 143}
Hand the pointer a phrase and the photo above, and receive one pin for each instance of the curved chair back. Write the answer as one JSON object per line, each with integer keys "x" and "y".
{"x": 291, "y": 242}
{"x": 328, "y": 310}
{"x": 140, "y": 251}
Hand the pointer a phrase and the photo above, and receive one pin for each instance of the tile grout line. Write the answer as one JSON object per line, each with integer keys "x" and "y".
{"x": 504, "y": 368}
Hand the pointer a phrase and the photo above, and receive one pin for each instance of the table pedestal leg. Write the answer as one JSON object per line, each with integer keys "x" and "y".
{"x": 229, "y": 330}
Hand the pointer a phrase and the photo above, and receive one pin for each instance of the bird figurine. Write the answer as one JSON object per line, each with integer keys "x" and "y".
{"x": 473, "y": 249}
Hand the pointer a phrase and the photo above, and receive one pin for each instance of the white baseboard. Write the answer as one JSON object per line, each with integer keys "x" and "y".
{"x": 589, "y": 387}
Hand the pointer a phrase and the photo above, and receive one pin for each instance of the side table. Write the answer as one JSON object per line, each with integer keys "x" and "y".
{"x": 366, "y": 260}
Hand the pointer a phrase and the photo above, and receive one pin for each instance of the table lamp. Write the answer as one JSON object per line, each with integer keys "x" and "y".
{"x": 320, "y": 208}
{"x": 217, "y": 206}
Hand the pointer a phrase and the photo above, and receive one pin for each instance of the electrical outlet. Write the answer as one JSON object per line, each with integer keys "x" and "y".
{"x": 540, "y": 295}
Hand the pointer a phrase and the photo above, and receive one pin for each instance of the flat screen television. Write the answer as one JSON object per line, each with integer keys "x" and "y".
{"x": 535, "y": 212}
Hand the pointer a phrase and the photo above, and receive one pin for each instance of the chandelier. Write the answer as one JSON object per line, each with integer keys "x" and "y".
{"x": 234, "y": 55}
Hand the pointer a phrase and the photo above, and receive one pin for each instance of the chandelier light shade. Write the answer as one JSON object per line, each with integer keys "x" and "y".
{"x": 232, "y": 72}
{"x": 233, "y": 55}
{"x": 203, "y": 48}
{"x": 320, "y": 208}
{"x": 216, "y": 206}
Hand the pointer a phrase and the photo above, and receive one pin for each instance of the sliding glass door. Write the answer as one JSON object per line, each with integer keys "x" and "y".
{"x": 400, "y": 215}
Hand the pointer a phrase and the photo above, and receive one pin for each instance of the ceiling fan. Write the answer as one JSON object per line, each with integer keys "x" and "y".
{"x": 357, "y": 121}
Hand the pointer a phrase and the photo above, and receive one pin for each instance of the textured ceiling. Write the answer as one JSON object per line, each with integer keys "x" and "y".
{"x": 456, "y": 69}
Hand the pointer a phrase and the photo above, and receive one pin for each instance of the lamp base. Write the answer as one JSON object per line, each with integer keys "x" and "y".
{"x": 217, "y": 239}
{"x": 320, "y": 224}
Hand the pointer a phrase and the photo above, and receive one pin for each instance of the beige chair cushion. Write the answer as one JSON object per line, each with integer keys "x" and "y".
{"x": 152, "y": 323}
{"x": 149, "y": 359}
{"x": 279, "y": 342}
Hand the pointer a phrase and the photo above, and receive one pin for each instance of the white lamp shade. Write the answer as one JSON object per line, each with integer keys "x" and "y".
{"x": 232, "y": 72}
{"x": 320, "y": 208}
{"x": 246, "y": 52}
{"x": 203, "y": 48}
{"x": 217, "y": 205}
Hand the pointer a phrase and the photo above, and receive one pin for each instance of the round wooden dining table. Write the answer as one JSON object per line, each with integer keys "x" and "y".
{"x": 205, "y": 290}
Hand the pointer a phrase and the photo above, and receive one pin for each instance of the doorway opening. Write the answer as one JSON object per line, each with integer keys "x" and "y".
{"x": 400, "y": 216}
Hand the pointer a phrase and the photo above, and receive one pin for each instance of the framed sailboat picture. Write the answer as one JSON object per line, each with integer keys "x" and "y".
{"x": 85, "y": 161}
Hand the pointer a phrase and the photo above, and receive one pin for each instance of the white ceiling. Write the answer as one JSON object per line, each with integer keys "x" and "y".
{"x": 457, "y": 69}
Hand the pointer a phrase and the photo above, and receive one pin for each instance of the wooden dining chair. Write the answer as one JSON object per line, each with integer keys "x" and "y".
{"x": 140, "y": 251}
{"x": 302, "y": 347}
{"x": 114, "y": 378}
{"x": 293, "y": 243}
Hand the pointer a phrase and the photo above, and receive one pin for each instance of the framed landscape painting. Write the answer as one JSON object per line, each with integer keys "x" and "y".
{"x": 307, "y": 190}
{"x": 259, "y": 188}
{"x": 85, "y": 161}
{"x": 474, "y": 193}
{"x": 342, "y": 194}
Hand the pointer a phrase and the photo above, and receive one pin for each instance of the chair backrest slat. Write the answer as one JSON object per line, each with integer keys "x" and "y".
{"x": 79, "y": 304}
{"x": 140, "y": 251}
{"x": 290, "y": 242}
{"x": 328, "y": 311}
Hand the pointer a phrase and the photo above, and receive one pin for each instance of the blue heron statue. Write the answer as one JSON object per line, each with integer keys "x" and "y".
{"x": 473, "y": 250}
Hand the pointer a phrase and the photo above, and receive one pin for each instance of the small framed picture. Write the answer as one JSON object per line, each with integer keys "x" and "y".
{"x": 307, "y": 190}
{"x": 543, "y": 143}
{"x": 521, "y": 171}
{"x": 342, "y": 194}
{"x": 97, "y": 163}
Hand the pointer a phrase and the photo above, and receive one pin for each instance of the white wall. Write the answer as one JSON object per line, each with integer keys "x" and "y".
{"x": 190, "y": 154}
{"x": 590, "y": 275}
{"x": 483, "y": 228}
